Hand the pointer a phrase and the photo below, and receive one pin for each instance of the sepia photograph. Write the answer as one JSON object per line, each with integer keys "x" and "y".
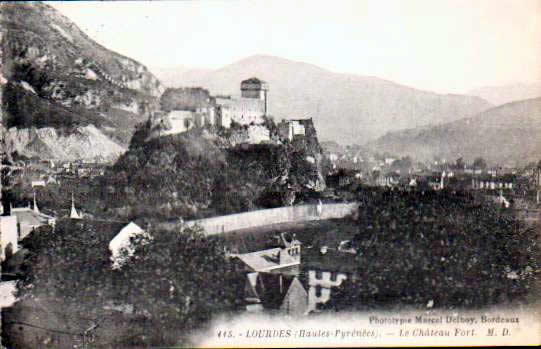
{"x": 257, "y": 173}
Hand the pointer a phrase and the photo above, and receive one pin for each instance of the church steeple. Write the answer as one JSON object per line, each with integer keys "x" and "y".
{"x": 74, "y": 214}
{"x": 36, "y": 209}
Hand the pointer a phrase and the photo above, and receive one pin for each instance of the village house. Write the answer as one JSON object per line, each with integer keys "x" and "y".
{"x": 177, "y": 121}
{"x": 9, "y": 236}
{"x": 290, "y": 129}
{"x": 29, "y": 218}
{"x": 389, "y": 161}
{"x": 271, "y": 286}
{"x": 273, "y": 259}
{"x": 38, "y": 183}
{"x": 326, "y": 268}
{"x": 489, "y": 182}
{"x": 343, "y": 177}
{"x": 280, "y": 293}
{"x": 388, "y": 179}
{"x": 473, "y": 171}
{"x": 121, "y": 246}
{"x": 333, "y": 157}
{"x": 432, "y": 180}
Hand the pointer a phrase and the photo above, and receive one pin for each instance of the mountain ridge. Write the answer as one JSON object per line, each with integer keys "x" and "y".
{"x": 508, "y": 134}
{"x": 503, "y": 94}
{"x": 345, "y": 107}
{"x": 53, "y": 76}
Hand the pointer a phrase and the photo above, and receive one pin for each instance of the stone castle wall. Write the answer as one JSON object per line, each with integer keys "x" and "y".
{"x": 243, "y": 110}
{"x": 187, "y": 98}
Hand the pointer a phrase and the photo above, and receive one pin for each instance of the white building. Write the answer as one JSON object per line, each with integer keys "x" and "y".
{"x": 40, "y": 183}
{"x": 178, "y": 121}
{"x": 288, "y": 129}
{"x": 121, "y": 246}
{"x": 8, "y": 235}
{"x": 29, "y": 218}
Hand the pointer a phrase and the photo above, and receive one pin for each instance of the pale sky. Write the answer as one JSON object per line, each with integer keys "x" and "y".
{"x": 440, "y": 45}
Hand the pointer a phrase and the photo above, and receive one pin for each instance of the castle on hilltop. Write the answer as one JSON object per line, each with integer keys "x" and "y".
{"x": 194, "y": 107}
{"x": 186, "y": 108}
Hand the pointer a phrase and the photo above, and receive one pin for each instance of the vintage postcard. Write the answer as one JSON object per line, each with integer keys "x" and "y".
{"x": 253, "y": 173}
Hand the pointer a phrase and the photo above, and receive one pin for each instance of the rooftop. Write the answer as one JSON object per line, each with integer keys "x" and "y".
{"x": 259, "y": 84}
{"x": 27, "y": 216}
{"x": 253, "y": 80}
{"x": 265, "y": 260}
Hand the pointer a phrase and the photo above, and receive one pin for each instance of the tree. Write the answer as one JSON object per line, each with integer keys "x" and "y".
{"x": 402, "y": 165}
{"x": 181, "y": 280}
{"x": 459, "y": 164}
{"x": 442, "y": 243}
{"x": 479, "y": 164}
{"x": 176, "y": 282}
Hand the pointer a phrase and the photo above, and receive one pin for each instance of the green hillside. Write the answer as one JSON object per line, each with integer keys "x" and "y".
{"x": 509, "y": 134}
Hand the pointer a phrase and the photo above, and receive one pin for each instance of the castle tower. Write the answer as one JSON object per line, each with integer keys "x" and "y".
{"x": 257, "y": 89}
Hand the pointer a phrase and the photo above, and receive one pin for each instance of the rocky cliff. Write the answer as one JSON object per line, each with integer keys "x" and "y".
{"x": 62, "y": 89}
{"x": 209, "y": 172}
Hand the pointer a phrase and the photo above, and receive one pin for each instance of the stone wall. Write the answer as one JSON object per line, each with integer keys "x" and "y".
{"x": 289, "y": 214}
{"x": 243, "y": 110}
{"x": 254, "y": 134}
{"x": 8, "y": 235}
{"x": 187, "y": 98}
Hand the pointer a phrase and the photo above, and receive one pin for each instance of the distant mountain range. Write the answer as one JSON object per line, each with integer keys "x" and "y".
{"x": 499, "y": 95}
{"x": 346, "y": 108}
{"x": 63, "y": 95}
{"x": 509, "y": 134}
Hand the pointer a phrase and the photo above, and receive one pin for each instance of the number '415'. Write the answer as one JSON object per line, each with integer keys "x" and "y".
{"x": 225, "y": 334}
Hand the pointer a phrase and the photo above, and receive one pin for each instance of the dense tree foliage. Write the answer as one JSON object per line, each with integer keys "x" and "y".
{"x": 25, "y": 109}
{"x": 451, "y": 248}
{"x": 479, "y": 164}
{"x": 195, "y": 175}
{"x": 174, "y": 283}
{"x": 180, "y": 280}
{"x": 460, "y": 164}
{"x": 402, "y": 165}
